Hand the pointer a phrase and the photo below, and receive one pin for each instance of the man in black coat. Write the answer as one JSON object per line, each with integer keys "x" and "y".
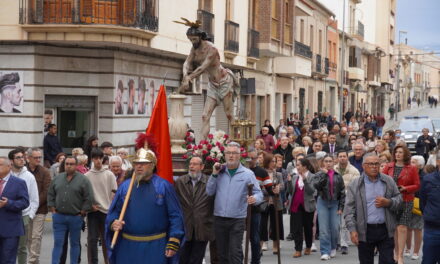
{"x": 331, "y": 147}
{"x": 51, "y": 145}
{"x": 285, "y": 150}
{"x": 425, "y": 143}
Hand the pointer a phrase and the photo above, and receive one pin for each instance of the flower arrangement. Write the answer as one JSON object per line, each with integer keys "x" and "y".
{"x": 210, "y": 150}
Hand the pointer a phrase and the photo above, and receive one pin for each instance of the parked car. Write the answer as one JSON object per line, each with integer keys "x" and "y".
{"x": 436, "y": 123}
{"x": 411, "y": 127}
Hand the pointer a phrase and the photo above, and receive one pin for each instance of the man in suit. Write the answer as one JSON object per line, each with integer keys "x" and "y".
{"x": 331, "y": 147}
{"x": 13, "y": 199}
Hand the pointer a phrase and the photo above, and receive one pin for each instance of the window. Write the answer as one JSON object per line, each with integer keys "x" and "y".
{"x": 320, "y": 42}
{"x": 301, "y": 31}
{"x": 229, "y": 9}
{"x": 252, "y": 14}
{"x": 311, "y": 37}
{"x": 354, "y": 59}
{"x": 287, "y": 22}
{"x": 275, "y": 21}
{"x": 205, "y": 5}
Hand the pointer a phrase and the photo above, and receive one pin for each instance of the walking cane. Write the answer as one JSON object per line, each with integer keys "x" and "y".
{"x": 124, "y": 208}
{"x": 277, "y": 227}
{"x": 248, "y": 225}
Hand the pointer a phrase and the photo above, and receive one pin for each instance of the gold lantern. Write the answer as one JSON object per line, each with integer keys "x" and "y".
{"x": 243, "y": 132}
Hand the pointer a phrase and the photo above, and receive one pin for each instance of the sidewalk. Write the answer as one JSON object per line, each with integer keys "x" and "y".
{"x": 394, "y": 124}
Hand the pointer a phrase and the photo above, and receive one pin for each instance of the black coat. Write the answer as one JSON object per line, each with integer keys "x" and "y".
{"x": 422, "y": 147}
{"x": 326, "y": 148}
{"x": 286, "y": 153}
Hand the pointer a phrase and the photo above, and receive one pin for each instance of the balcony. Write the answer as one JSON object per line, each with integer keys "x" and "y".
{"x": 303, "y": 50}
{"x": 207, "y": 20}
{"x": 296, "y": 66}
{"x": 326, "y": 66}
{"x": 355, "y": 73}
{"x": 318, "y": 63}
{"x": 231, "y": 36}
{"x": 89, "y": 20}
{"x": 253, "y": 40}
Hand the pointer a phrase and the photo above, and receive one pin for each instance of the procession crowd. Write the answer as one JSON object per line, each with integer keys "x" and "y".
{"x": 342, "y": 183}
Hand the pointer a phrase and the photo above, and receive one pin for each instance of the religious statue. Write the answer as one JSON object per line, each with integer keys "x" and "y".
{"x": 204, "y": 57}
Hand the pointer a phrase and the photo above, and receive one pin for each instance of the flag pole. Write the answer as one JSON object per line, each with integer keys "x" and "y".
{"x": 124, "y": 208}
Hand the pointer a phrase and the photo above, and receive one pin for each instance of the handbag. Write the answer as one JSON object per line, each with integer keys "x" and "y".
{"x": 416, "y": 207}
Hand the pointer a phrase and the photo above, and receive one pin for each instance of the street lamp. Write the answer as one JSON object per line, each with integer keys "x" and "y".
{"x": 398, "y": 74}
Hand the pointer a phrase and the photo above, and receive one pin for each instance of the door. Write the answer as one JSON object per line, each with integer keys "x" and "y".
{"x": 302, "y": 98}
{"x": 57, "y": 11}
{"x": 101, "y": 12}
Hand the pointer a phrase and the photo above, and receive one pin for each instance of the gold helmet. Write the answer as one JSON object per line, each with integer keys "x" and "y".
{"x": 147, "y": 156}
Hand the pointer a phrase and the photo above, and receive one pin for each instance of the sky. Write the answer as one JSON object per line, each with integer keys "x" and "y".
{"x": 421, "y": 19}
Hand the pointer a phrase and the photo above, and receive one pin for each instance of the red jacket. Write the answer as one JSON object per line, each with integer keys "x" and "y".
{"x": 408, "y": 178}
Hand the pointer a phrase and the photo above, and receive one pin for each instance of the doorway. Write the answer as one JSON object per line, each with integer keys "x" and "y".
{"x": 75, "y": 117}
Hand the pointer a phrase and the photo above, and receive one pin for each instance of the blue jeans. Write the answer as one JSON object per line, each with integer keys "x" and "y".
{"x": 379, "y": 131}
{"x": 328, "y": 225}
{"x": 63, "y": 223}
{"x": 255, "y": 237}
{"x": 431, "y": 245}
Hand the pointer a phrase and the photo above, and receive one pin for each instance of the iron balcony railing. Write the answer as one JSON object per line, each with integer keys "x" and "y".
{"x": 207, "y": 20}
{"x": 128, "y": 13}
{"x": 253, "y": 40}
{"x": 326, "y": 66}
{"x": 231, "y": 36}
{"x": 303, "y": 50}
{"x": 318, "y": 63}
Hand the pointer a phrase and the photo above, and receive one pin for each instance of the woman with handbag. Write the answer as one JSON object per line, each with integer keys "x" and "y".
{"x": 275, "y": 206}
{"x": 407, "y": 179}
{"x": 331, "y": 199}
{"x": 302, "y": 205}
{"x": 416, "y": 222}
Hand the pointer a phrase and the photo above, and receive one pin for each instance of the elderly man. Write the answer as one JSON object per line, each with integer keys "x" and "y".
{"x": 115, "y": 165}
{"x": 349, "y": 173}
{"x": 13, "y": 199}
{"x": 230, "y": 184}
{"x": 342, "y": 138}
{"x": 198, "y": 209}
{"x": 356, "y": 159}
{"x": 372, "y": 202}
{"x": 425, "y": 143}
{"x": 153, "y": 224}
{"x": 17, "y": 159}
{"x": 36, "y": 226}
{"x": 285, "y": 150}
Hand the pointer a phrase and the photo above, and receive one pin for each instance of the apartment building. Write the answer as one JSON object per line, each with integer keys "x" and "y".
{"x": 98, "y": 65}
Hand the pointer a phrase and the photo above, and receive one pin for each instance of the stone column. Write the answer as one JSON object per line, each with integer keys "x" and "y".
{"x": 178, "y": 127}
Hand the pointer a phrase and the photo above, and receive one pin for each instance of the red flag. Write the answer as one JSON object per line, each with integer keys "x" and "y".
{"x": 158, "y": 128}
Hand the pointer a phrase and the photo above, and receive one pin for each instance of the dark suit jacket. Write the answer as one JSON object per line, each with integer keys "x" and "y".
{"x": 326, "y": 148}
{"x": 11, "y": 222}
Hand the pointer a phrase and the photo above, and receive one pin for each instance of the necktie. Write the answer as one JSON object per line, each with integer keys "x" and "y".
{"x": 2, "y": 182}
{"x": 331, "y": 149}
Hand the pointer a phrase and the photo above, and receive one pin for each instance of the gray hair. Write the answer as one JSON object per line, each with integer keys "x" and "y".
{"x": 77, "y": 151}
{"x": 358, "y": 144}
{"x": 199, "y": 158}
{"x": 283, "y": 131}
{"x": 6, "y": 160}
{"x": 369, "y": 154}
{"x": 114, "y": 158}
{"x": 30, "y": 150}
{"x": 233, "y": 144}
{"x": 320, "y": 155}
{"x": 420, "y": 160}
{"x": 82, "y": 158}
{"x": 284, "y": 137}
{"x": 252, "y": 149}
{"x": 122, "y": 150}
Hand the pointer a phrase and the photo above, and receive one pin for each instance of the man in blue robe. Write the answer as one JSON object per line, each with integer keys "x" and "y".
{"x": 153, "y": 227}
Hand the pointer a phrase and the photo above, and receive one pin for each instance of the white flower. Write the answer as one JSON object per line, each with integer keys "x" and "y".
{"x": 219, "y": 155}
{"x": 212, "y": 154}
{"x": 215, "y": 149}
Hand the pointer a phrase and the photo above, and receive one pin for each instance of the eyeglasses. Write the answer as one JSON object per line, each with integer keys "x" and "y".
{"x": 376, "y": 164}
{"x": 19, "y": 157}
{"x": 39, "y": 157}
{"x": 231, "y": 153}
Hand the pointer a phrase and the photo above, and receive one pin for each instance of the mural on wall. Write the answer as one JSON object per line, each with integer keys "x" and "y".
{"x": 134, "y": 96}
{"x": 11, "y": 92}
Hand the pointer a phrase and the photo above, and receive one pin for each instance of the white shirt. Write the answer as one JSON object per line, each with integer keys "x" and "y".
{"x": 31, "y": 184}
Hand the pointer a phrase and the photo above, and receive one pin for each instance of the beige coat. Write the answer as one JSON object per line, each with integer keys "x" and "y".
{"x": 350, "y": 174}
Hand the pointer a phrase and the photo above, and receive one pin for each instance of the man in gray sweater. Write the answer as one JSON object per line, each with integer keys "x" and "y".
{"x": 371, "y": 205}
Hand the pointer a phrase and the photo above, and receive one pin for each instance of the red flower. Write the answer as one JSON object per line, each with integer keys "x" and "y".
{"x": 195, "y": 147}
{"x": 209, "y": 146}
{"x": 203, "y": 142}
{"x": 241, "y": 149}
{"x": 205, "y": 152}
{"x": 222, "y": 148}
{"x": 215, "y": 160}
{"x": 188, "y": 134}
{"x": 189, "y": 146}
{"x": 226, "y": 136}
{"x": 244, "y": 155}
{"x": 209, "y": 158}
{"x": 185, "y": 156}
{"x": 218, "y": 144}
{"x": 210, "y": 136}
{"x": 200, "y": 146}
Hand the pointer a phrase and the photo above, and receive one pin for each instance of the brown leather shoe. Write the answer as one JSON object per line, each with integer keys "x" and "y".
{"x": 307, "y": 251}
{"x": 297, "y": 254}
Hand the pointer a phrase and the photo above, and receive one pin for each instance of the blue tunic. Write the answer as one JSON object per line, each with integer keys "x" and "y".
{"x": 153, "y": 209}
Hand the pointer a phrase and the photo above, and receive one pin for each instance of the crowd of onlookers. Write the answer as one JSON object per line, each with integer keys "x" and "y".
{"x": 343, "y": 183}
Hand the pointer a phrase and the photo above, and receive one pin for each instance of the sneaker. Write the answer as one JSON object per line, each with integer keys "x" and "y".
{"x": 314, "y": 249}
{"x": 289, "y": 237}
{"x": 344, "y": 250}
{"x": 264, "y": 247}
{"x": 333, "y": 253}
{"x": 415, "y": 256}
{"x": 407, "y": 253}
{"x": 304, "y": 244}
{"x": 325, "y": 257}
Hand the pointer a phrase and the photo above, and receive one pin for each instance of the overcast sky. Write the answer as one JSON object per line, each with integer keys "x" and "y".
{"x": 421, "y": 19}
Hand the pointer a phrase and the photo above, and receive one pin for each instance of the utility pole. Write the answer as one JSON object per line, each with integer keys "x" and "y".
{"x": 398, "y": 75}
{"x": 341, "y": 88}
